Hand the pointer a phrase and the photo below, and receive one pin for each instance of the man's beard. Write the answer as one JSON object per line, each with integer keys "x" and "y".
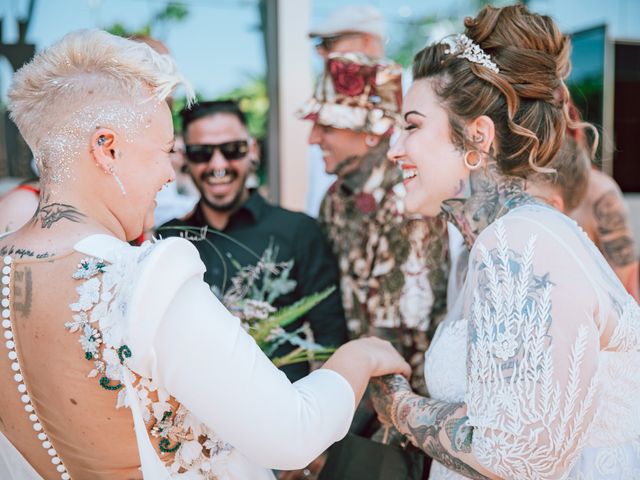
{"x": 224, "y": 207}
{"x": 228, "y": 206}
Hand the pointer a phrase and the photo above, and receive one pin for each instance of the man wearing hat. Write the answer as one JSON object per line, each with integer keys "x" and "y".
{"x": 354, "y": 28}
{"x": 393, "y": 269}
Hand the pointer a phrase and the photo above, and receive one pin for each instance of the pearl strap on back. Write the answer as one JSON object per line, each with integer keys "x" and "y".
{"x": 17, "y": 372}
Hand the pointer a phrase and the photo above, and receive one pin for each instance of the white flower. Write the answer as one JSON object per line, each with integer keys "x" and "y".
{"x": 257, "y": 309}
{"x": 90, "y": 339}
{"x": 89, "y": 292}
{"x": 505, "y": 346}
{"x": 188, "y": 452}
{"x": 79, "y": 321}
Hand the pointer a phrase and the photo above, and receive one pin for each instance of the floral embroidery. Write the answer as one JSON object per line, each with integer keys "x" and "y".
{"x": 526, "y": 425}
{"x": 99, "y": 315}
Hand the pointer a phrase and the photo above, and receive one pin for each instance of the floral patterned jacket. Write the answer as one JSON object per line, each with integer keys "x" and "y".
{"x": 394, "y": 269}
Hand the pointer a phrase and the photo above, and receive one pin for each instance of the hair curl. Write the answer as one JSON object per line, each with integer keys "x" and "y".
{"x": 527, "y": 100}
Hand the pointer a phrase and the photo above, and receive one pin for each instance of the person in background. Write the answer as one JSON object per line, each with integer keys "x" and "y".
{"x": 241, "y": 225}
{"x": 18, "y": 205}
{"x": 604, "y": 216}
{"x": 566, "y": 188}
{"x": 393, "y": 269}
{"x": 353, "y": 28}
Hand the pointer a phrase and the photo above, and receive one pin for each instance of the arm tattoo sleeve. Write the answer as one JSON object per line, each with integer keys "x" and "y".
{"x": 440, "y": 429}
{"x": 613, "y": 229}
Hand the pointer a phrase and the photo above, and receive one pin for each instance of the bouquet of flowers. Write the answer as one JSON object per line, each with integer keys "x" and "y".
{"x": 254, "y": 289}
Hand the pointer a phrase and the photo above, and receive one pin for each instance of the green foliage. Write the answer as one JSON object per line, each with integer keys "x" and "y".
{"x": 173, "y": 12}
{"x": 254, "y": 102}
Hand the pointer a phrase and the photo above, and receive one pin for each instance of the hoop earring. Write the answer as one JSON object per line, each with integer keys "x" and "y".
{"x": 472, "y": 166}
{"x": 370, "y": 141}
{"x": 118, "y": 181}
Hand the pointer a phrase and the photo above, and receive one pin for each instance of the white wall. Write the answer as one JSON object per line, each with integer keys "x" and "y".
{"x": 295, "y": 87}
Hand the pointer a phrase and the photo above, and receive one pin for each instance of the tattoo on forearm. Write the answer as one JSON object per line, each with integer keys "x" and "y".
{"x": 54, "y": 212}
{"x": 424, "y": 419}
{"x": 23, "y": 291}
{"x": 613, "y": 230}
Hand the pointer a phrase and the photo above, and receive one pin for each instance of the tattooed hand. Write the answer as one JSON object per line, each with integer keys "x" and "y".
{"x": 383, "y": 393}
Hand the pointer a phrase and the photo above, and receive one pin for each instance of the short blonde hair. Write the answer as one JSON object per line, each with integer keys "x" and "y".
{"x": 85, "y": 68}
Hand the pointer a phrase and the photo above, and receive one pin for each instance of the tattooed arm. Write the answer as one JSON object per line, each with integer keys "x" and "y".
{"x": 440, "y": 429}
{"x": 615, "y": 239}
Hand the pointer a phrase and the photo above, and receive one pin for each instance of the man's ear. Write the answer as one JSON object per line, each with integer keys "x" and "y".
{"x": 254, "y": 154}
{"x": 103, "y": 148}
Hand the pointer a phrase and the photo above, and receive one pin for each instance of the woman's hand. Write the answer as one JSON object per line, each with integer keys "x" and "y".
{"x": 361, "y": 359}
{"x": 380, "y": 354}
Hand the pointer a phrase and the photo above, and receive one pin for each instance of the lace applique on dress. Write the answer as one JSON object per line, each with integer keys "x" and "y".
{"x": 626, "y": 335}
{"x": 526, "y": 424}
{"x": 99, "y": 315}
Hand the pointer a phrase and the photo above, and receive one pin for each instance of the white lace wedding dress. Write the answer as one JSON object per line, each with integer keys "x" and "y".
{"x": 543, "y": 346}
{"x": 194, "y": 381}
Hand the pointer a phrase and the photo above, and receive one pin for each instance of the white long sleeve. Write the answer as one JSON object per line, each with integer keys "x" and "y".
{"x": 532, "y": 351}
{"x": 189, "y": 344}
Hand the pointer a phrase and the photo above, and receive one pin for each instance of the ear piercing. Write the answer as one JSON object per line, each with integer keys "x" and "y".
{"x": 117, "y": 179}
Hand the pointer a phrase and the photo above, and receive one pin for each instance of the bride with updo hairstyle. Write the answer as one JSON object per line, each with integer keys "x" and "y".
{"x": 535, "y": 372}
{"x": 91, "y": 324}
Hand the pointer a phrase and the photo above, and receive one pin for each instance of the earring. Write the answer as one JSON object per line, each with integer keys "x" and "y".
{"x": 472, "y": 166}
{"x": 370, "y": 141}
{"x": 478, "y": 138}
{"x": 101, "y": 140}
{"x": 118, "y": 181}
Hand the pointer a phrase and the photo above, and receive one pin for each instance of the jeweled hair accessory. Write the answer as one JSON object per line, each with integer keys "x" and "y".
{"x": 464, "y": 47}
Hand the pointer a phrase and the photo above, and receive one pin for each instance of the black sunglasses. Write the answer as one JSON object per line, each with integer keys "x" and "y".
{"x": 230, "y": 151}
{"x": 327, "y": 43}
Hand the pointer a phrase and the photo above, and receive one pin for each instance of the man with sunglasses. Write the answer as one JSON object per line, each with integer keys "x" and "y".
{"x": 241, "y": 225}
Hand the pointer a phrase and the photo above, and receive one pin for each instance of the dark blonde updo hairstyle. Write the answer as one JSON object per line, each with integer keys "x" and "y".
{"x": 527, "y": 100}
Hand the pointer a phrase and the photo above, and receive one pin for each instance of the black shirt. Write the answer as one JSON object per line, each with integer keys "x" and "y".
{"x": 295, "y": 236}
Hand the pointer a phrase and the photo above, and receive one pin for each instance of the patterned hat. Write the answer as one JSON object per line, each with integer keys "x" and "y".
{"x": 357, "y": 92}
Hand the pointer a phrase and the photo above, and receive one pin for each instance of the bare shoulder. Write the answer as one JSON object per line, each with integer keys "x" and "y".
{"x": 600, "y": 184}
{"x": 16, "y": 208}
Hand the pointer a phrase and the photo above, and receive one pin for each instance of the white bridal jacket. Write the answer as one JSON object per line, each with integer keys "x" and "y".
{"x": 543, "y": 346}
{"x": 142, "y": 331}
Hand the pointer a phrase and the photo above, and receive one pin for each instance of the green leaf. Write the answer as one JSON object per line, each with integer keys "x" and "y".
{"x": 288, "y": 315}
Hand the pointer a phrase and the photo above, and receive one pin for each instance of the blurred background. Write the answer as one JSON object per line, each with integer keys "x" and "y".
{"x": 258, "y": 51}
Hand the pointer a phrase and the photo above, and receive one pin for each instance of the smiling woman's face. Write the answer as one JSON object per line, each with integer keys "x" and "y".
{"x": 433, "y": 167}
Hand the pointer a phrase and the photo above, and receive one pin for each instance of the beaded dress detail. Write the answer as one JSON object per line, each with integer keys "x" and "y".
{"x": 17, "y": 373}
